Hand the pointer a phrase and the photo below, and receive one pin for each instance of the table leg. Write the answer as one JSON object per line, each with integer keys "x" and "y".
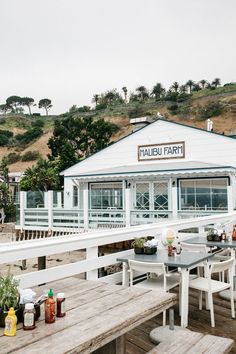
{"x": 125, "y": 274}
{"x": 117, "y": 346}
{"x": 184, "y": 296}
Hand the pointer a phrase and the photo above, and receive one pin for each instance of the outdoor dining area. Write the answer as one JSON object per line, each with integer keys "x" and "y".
{"x": 174, "y": 295}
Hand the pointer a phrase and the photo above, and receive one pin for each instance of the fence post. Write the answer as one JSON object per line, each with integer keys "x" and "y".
{"x": 174, "y": 199}
{"x": 50, "y": 209}
{"x": 127, "y": 207}
{"x": 86, "y": 210}
{"x": 92, "y": 252}
{"x": 22, "y": 209}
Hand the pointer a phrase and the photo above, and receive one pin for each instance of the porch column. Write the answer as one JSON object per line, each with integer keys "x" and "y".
{"x": 50, "y": 209}
{"x": 174, "y": 199}
{"x": 230, "y": 197}
{"x": 86, "y": 209}
{"x": 22, "y": 209}
{"x": 127, "y": 207}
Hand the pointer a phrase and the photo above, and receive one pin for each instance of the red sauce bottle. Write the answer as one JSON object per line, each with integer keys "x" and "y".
{"x": 61, "y": 310}
{"x": 50, "y": 308}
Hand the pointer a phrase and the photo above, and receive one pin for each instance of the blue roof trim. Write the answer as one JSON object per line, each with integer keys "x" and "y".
{"x": 148, "y": 171}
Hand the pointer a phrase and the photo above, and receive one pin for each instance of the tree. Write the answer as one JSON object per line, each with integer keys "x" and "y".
{"x": 190, "y": 85}
{"x": 4, "y": 171}
{"x": 203, "y": 83}
{"x": 110, "y": 96}
{"x": 46, "y": 104}
{"x": 43, "y": 176}
{"x": 14, "y": 102}
{"x": 75, "y": 138}
{"x": 28, "y": 102}
{"x": 95, "y": 99}
{"x": 183, "y": 89}
{"x": 175, "y": 87}
{"x": 216, "y": 82}
{"x": 158, "y": 90}
{"x": 124, "y": 89}
{"x": 142, "y": 92}
{"x": 5, "y": 108}
{"x": 196, "y": 87}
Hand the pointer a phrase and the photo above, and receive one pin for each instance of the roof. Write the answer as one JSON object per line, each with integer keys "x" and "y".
{"x": 148, "y": 125}
{"x": 174, "y": 168}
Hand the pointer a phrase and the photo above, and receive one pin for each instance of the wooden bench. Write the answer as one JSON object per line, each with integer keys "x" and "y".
{"x": 193, "y": 343}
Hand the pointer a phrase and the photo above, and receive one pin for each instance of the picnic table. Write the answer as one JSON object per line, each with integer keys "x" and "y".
{"x": 97, "y": 318}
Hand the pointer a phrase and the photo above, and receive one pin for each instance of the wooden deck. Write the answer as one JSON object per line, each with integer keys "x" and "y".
{"x": 137, "y": 340}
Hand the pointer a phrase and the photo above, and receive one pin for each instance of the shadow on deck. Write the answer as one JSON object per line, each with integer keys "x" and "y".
{"x": 138, "y": 342}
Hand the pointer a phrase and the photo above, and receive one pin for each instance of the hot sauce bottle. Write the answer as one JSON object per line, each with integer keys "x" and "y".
{"x": 50, "y": 308}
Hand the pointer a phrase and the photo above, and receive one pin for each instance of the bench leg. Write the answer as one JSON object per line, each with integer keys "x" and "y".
{"x": 117, "y": 346}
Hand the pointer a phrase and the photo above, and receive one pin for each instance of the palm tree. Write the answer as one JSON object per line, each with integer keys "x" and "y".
{"x": 183, "y": 89}
{"x": 125, "y": 93}
{"x": 190, "y": 84}
{"x": 175, "y": 87}
{"x": 143, "y": 92}
{"x": 203, "y": 83}
{"x": 95, "y": 99}
{"x": 158, "y": 90}
{"x": 109, "y": 96}
{"x": 216, "y": 82}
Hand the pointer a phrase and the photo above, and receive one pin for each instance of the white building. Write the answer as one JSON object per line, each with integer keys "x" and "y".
{"x": 163, "y": 170}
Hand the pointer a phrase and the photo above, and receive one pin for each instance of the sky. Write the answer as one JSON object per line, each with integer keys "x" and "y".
{"x": 69, "y": 50}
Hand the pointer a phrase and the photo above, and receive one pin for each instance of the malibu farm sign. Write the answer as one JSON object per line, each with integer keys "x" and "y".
{"x": 161, "y": 151}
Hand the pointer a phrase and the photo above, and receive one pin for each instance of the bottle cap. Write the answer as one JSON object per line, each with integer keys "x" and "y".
{"x": 60, "y": 295}
{"x": 29, "y": 306}
{"x": 50, "y": 293}
{"x": 11, "y": 311}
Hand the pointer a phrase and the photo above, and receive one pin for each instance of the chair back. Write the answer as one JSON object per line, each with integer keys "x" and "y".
{"x": 221, "y": 266}
{"x": 193, "y": 247}
{"x": 146, "y": 267}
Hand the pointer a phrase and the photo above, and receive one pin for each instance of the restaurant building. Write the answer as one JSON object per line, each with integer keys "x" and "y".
{"x": 163, "y": 169}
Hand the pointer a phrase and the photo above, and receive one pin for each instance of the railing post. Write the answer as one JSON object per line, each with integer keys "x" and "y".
{"x": 127, "y": 207}
{"x": 22, "y": 209}
{"x": 230, "y": 198}
{"x": 86, "y": 210}
{"x": 174, "y": 200}
{"x": 92, "y": 253}
{"x": 50, "y": 209}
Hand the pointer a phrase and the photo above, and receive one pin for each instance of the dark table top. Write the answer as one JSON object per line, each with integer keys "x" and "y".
{"x": 203, "y": 241}
{"x": 184, "y": 260}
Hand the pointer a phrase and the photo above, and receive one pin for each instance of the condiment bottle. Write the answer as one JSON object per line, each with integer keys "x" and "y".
{"x": 61, "y": 310}
{"x": 10, "y": 323}
{"x": 234, "y": 233}
{"x": 223, "y": 236}
{"x": 29, "y": 317}
{"x": 50, "y": 308}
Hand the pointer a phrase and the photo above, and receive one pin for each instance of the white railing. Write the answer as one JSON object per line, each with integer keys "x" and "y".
{"x": 105, "y": 218}
{"x": 139, "y": 217}
{"x": 15, "y": 251}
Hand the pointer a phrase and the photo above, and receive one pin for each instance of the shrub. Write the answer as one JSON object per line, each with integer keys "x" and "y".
{"x": 28, "y": 136}
{"x": 13, "y": 157}
{"x": 5, "y": 135}
{"x": 100, "y": 106}
{"x": 38, "y": 123}
{"x": 212, "y": 109}
{"x": 173, "y": 108}
{"x": 30, "y": 156}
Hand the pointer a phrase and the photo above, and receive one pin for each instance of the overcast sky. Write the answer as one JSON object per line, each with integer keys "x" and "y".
{"x": 69, "y": 50}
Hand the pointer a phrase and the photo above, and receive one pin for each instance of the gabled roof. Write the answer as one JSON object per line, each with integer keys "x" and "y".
{"x": 137, "y": 131}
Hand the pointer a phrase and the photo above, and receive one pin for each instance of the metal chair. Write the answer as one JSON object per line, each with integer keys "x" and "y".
{"x": 157, "y": 278}
{"x": 211, "y": 286}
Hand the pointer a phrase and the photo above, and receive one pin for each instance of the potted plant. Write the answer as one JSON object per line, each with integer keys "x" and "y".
{"x": 150, "y": 246}
{"x": 138, "y": 245}
{"x": 9, "y": 296}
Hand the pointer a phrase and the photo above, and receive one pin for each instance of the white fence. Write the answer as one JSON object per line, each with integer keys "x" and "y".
{"x": 15, "y": 251}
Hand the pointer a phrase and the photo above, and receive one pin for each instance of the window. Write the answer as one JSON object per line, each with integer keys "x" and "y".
{"x": 106, "y": 196}
{"x": 75, "y": 196}
{"x": 142, "y": 196}
{"x": 203, "y": 194}
{"x": 160, "y": 195}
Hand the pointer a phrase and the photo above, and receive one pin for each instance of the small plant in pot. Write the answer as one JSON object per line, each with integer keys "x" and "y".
{"x": 150, "y": 246}
{"x": 138, "y": 245}
{"x": 9, "y": 296}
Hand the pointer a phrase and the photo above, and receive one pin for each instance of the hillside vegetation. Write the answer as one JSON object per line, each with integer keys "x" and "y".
{"x": 24, "y": 138}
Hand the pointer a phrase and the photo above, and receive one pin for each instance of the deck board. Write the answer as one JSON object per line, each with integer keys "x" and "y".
{"x": 199, "y": 321}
